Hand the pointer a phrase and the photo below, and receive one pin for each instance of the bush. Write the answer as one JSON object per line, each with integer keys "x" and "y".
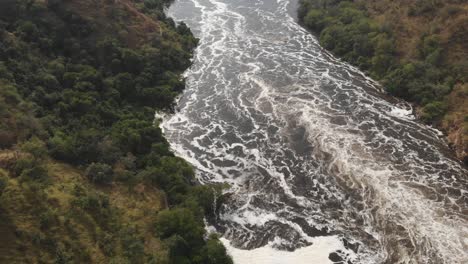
{"x": 38, "y": 173}
{"x": 62, "y": 147}
{"x": 3, "y": 184}
{"x": 28, "y": 168}
{"x": 173, "y": 175}
{"x": 135, "y": 135}
{"x": 381, "y": 64}
{"x": 100, "y": 173}
{"x": 47, "y": 219}
{"x": 428, "y": 45}
{"x": 179, "y": 250}
{"x": 152, "y": 4}
{"x": 434, "y": 111}
{"x": 95, "y": 205}
{"x": 28, "y": 30}
{"x": 315, "y": 20}
{"x": 213, "y": 253}
{"x": 182, "y": 222}
{"x": 133, "y": 246}
{"x": 206, "y": 197}
{"x": 36, "y": 148}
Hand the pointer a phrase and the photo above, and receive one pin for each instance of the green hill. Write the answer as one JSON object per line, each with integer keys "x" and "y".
{"x": 85, "y": 173}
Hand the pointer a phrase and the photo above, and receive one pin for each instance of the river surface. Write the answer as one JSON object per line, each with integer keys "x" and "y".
{"x": 322, "y": 167}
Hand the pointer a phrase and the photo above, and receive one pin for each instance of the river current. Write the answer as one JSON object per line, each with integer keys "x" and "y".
{"x": 322, "y": 167}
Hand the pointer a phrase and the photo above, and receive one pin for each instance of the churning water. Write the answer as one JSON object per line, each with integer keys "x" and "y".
{"x": 318, "y": 160}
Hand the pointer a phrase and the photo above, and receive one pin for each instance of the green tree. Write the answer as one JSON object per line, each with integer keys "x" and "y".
{"x": 181, "y": 222}
{"x": 100, "y": 173}
{"x": 213, "y": 253}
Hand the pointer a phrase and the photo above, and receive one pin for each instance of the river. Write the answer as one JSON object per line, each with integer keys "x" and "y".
{"x": 321, "y": 165}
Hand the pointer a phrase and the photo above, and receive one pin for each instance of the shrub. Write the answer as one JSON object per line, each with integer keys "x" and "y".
{"x": 29, "y": 168}
{"x": 135, "y": 135}
{"x": 36, "y": 148}
{"x": 100, "y": 173}
{"x": 213, "y": 253}
{"x": 38, "y": 173}
{"x": 315, "y": 20}
{"x": 381, "y": 64}
{"x": 133, "y": 246}
{"x": 62, "y": 147}
{"x": 152, "y": 4}
{"x": 3, "y": 184}
{"x": 182, "y": 222}
{"x": 428, "y": 45}
{"x": 28, "y": 30}
{"x": 435, "y": 57}
{"x": 179, "y": 250}
{"x": 434, "y": 111}
{"x": 206, "y": 197}
{"x": 47, "y": 219}
{"x": 173, "y": 175}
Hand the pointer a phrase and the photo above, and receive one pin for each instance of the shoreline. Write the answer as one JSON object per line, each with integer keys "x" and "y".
{"x": 450, "y": 129}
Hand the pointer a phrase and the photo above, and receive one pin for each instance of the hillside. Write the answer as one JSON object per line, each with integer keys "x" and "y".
{"x": 416, "y": 48}
{"x": 86, "y": 175}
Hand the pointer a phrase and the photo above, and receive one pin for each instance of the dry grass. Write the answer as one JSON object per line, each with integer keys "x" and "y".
{"x": 135, "y": 207}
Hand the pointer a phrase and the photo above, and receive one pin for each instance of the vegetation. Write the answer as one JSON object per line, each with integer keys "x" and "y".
{"x": 424, "y": 67}
{"x": 87, "y": 175}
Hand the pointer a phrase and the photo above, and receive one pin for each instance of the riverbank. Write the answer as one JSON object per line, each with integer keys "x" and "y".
{"x": 86, "y": 175}
{"x": 416, "y": 49}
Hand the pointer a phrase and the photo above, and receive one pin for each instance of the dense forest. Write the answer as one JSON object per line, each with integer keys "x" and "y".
{"x": 86, "y": 175}
{"x": 417, "y": 49}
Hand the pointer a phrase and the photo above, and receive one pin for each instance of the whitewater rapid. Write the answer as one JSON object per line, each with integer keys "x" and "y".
{"x": 321, "y": 165}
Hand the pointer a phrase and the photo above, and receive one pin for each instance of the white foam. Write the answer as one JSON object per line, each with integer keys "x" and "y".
{"x": 402, "y": 113}
{"x": 243, "y": 83}
{"x": 253, "y": 218}
{"x": 317, "y": 253}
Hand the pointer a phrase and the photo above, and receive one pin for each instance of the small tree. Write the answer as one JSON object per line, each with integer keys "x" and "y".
{"x": 213, "y": 253}
{"x": 36, "y": 148}
{"x": 182, "y": 222}
{"x": 100, "y": 173}
{"x": 32, "y": 166}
